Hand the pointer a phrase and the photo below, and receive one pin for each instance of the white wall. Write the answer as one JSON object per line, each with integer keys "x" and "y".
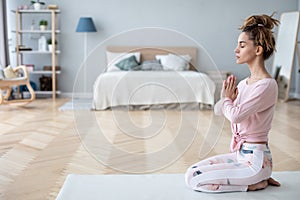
{"x": 211, "y": 23}
{"x": 2, "y": 55}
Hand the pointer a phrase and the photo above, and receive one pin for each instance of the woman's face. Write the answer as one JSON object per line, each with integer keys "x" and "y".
{"x": 245, "y": 51}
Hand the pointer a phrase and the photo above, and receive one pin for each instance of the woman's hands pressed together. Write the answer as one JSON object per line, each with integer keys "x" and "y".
{"x": 229, "y": 88}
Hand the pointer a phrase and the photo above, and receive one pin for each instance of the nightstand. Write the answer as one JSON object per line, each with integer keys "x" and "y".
{"x": 218, "y": 77}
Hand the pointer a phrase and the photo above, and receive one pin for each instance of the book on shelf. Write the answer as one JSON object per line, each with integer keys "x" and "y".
{"x": 22, "y": 48}
{"x": 30, "y": 67}
{"x": 49, "y": 68}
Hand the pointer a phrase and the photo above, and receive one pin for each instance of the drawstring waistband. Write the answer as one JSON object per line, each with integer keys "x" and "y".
{"x": 238, "y": 140}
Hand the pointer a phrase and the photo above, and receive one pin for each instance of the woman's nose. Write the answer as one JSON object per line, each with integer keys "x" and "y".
{"x": 236, "y": 50}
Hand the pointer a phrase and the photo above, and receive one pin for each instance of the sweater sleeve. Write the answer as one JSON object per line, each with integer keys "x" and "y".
{"x": 262, "y": 97}
{"x": 218, "y": 107}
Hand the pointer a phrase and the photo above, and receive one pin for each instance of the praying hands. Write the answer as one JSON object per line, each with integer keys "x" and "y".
{"x": 229, "y": 88}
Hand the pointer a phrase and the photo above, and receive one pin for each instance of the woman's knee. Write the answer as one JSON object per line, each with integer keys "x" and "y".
{"x": 210, "y": 188}
{"x": 188, "y": 176}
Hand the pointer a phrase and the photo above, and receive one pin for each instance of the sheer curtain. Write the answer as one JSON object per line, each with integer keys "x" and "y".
{"x": 3, "y": 35}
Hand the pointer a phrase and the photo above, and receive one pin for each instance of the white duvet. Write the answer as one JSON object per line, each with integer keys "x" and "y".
{"x": 122, "y": 88}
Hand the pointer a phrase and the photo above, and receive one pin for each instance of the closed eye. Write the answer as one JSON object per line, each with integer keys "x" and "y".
{"x": 242, "y": 44}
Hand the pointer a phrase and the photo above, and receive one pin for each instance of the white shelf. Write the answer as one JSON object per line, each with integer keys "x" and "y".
{"x": 37, "y": 31}
{"x": 35, "y": 11}
{"x": 47, "y": 92}
{"x": 42, "y": 92}
{"x": 39, "y": 52}
{"x": 43, "y": 72}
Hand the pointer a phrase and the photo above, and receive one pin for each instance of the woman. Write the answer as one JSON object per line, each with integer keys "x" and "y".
{"x": 249, "y": 107}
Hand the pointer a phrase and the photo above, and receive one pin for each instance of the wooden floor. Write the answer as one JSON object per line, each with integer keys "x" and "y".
{"x": 40, "y": 145}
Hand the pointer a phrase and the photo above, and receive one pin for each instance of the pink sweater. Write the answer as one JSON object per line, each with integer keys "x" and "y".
{"x": 251, "y": 113}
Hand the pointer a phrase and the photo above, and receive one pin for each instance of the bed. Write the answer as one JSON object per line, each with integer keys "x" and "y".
{"x": 147, "y": 77}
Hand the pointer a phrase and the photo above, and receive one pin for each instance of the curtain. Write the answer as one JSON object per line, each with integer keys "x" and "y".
{"x": 3, "y": 35}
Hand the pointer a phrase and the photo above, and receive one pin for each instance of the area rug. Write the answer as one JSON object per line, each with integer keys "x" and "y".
{"x": 77, "y": 104}
{"x": 165, "y": 186}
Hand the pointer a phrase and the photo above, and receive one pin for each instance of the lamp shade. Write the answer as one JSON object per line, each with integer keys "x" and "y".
{"x": 86, "y": 24}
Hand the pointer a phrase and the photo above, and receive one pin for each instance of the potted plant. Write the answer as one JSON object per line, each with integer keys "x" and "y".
{"x": 49, "y": 42}
{"x": 43, "y": 24}
{"x": 37, "y": 4}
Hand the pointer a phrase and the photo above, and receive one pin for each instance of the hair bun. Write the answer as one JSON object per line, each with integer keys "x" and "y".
{"x": 259, "y": 21}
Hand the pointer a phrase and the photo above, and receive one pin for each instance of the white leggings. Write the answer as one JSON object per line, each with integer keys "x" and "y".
{"x": 231, "y": 172}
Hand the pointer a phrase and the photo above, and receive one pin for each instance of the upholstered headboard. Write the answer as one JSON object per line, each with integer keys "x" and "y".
{"x": 149, "y": 53}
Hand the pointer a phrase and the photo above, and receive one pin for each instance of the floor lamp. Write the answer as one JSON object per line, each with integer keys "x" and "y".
{"x": 85, "y": 25}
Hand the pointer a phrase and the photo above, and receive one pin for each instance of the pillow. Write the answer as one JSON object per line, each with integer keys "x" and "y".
{"x": 151, "y": 65}
{"x": 9, "y": 72}
{"x": 161, "y": 58}
{"x": 174, "y": 62}
{"x": 113, "y": 58}
{"x": 129, "y": 63}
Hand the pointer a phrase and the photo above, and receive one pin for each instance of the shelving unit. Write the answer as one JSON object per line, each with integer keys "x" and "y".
{"x": 54, "y": 53}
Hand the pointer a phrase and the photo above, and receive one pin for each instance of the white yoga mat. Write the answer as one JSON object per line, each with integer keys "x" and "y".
{"x": 164, "y": 187}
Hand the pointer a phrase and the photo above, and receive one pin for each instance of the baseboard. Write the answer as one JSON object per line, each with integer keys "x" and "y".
{"x": 76, "y": 95}
{"x": 294, "y": 95}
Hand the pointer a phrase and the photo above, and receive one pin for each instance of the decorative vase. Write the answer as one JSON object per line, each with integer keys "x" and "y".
{"x": 37, "y": 6}
{"x": 43, "y": 27}
{"x": 50, "y": 47}
{"x": 42, "y": 43}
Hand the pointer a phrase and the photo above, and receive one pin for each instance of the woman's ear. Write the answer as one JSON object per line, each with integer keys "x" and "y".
{"x": 259, "y": 50}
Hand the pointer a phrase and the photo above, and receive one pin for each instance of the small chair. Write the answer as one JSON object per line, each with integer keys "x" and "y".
{"x": 7, "y": 83}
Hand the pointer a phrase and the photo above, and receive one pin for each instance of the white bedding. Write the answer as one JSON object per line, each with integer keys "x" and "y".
{"x": 123, "y": 88}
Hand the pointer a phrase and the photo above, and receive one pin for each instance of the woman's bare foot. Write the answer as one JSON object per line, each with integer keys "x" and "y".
{"x": 263, "y": 184}
{"x": 273, "y": 182}
{"x": 258, "y": 186}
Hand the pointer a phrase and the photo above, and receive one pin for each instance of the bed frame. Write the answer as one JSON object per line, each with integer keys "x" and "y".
{"x": 148, "y": 53}
{"x": 104, "y": 97}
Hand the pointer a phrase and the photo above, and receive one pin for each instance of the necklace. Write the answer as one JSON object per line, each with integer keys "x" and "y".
{"x": 253, "y": 80}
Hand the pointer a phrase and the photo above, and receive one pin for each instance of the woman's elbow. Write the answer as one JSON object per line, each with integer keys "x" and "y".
{"x": 217, "y": 111}
{"x": 235, "y": 119}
